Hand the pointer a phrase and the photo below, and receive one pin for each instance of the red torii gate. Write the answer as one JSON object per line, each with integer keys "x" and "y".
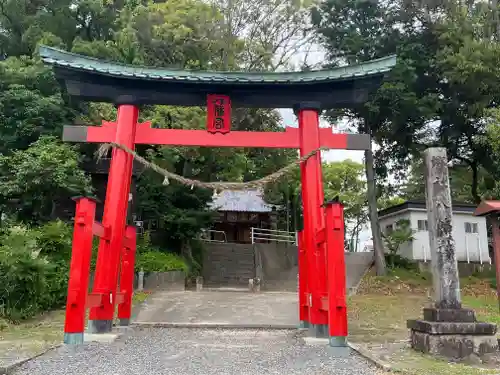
{"x": 321, "y": 299}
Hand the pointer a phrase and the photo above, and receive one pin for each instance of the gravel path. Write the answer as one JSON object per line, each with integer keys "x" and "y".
{"x": 196, "y": 351}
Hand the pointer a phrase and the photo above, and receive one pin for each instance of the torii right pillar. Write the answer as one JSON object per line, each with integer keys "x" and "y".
{"x": 491, "y": 209}
{"x": 314, "y": 219}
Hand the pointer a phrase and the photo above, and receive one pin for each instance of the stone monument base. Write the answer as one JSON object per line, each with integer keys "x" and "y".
{"x": 452, "y": 333}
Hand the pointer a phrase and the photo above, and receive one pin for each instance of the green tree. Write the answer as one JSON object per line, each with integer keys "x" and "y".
{"x": 35, "y": 181}
{"x": 341, "y": 178}
{"x": 439, "y": 92}
{"x": 402, "y": 234}
{"x": 30, "y": 104}
{"x": 345, "y": 179}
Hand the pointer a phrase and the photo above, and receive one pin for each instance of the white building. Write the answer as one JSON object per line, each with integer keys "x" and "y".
{"x": 469, "y": 231}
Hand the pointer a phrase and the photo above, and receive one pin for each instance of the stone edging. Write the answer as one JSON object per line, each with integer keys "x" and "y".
{"x": 7, "y": 370}
{"x": 367, "y": 355}
{"x": 283, "y": 327}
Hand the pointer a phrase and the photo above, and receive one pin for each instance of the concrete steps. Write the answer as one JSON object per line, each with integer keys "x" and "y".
{"x": 228, "y": 265}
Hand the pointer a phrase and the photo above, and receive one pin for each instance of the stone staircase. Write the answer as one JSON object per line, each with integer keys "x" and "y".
{"x": 228, "y": 265}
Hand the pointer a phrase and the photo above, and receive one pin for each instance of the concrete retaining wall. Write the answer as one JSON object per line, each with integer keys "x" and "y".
{"x": 277, "y": 266}
{"x": 171, "y": 280}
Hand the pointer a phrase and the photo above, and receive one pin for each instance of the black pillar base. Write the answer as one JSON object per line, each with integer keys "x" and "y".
{"x": 318, "y": 331}
{"x": 100, "y": 326}
{"x": 124, "y": 322}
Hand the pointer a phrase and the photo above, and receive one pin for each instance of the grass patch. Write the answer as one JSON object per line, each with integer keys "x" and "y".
{"x": 378, "y": 315}
{"x": 47, "y": 327}
{"x": 486, "y": 308}
{"x": 410, "y": 277}
{"x": 139, "y": 297}
{"x": 378, "y": 319}
{"x": 413, "y": 363}
{"x": 396, "y": 281}
{"x": 20, "y": 341}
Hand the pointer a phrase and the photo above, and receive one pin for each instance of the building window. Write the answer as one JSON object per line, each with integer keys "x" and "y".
{"x": 422, "y": 225}
{"x": 389, "y": 229}
{"x": 471, "y": 228}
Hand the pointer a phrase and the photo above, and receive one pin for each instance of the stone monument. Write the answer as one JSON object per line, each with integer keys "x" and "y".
{"x": 447, "y": 328}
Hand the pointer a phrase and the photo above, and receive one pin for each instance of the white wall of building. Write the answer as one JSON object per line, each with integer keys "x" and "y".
{"x": 469, "y": 233}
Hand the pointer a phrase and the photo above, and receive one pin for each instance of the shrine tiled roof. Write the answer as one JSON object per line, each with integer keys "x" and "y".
{"x": 240, "y": 201}
{"x": 77, "y": 62}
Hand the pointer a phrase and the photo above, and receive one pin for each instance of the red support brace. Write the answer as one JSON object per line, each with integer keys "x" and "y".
{"x": 337, "y": 310}
{"x": 108, "y": 259}
{"x": 303, "y": 293}
{"x": 312, "y": 198}
{"x": 127, "y": 276}
{"x": 79, "y": 271}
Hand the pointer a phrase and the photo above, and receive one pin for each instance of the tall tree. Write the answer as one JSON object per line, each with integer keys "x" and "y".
{"x": 432, "y": 97}
{"x": 355, "y": 31}
{"x": 343, "y": 179}
{"x": 35, "y": 181}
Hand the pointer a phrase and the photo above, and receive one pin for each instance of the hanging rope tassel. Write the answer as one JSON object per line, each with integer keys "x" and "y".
{"x": 217, "y": 186}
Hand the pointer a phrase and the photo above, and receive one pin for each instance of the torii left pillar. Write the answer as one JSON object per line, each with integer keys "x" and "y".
{"x": 114, "y": 218}
{"x": 314, "y": 220}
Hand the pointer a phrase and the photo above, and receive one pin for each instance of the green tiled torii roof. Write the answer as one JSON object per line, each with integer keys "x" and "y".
{"x": 61, "y": 58}
{"x": 91, "y": 79}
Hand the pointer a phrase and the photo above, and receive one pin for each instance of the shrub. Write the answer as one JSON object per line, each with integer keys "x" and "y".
{"x": 23, "y": 275}
{"x": 397, "y": 261}
{"x": 156, "y": 261}
{"x": 34, "y": 267}
{"x": 152, "y": 259}
{"x": 54, "y": 240}
{"x": 57, "y": 277}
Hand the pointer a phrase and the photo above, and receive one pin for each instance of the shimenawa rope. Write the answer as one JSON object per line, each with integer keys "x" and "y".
{"x": 217, "y": 186}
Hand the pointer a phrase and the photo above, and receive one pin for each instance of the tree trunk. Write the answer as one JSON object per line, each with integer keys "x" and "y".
{"x": 475, "y": 183}
{"x": 187, "y": 253}
{"x": 496, "y": 21}
{"x": 378, "y": 246}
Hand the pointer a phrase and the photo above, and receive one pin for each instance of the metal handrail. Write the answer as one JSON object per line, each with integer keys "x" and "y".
{"x": 210, "y": 231}
{"x": 273, "y": 235}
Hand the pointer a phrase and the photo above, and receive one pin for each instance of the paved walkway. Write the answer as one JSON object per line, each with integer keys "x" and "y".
{"x": 221, "y": 308}
{"x": 199, "y": 351}
{"x": 208, "y": 308}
